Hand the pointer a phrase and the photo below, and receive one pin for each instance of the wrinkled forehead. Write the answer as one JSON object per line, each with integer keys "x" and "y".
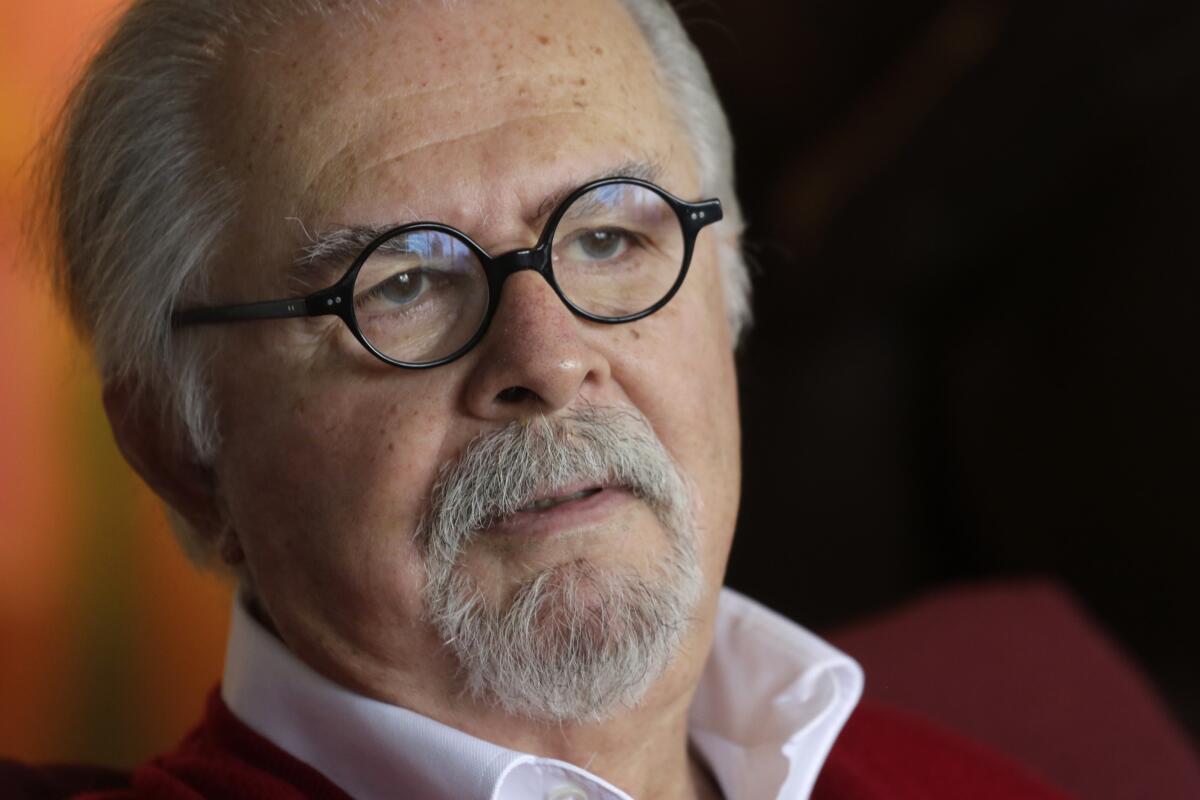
{"x": 323, "y": 105}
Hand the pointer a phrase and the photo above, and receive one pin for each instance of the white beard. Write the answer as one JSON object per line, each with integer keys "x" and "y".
{"x": 574, "y": 642}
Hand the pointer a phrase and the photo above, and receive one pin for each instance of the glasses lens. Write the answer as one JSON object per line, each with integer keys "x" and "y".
{"x": 618, "y": 249}
{"x": 420, "y": 296}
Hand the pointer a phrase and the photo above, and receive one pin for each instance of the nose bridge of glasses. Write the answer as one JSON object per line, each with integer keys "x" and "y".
{"x": 512, "y": 262}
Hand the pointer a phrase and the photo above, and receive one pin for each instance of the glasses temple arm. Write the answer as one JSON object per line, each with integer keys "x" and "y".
{"x": 311, "y": 306}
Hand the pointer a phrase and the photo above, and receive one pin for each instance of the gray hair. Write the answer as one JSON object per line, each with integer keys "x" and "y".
{"x": 139, "y": 206}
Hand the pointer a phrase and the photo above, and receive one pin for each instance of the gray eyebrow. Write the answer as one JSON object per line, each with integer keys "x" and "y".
{"x": 641, "y": 170}
{"x": 335, "y": 247}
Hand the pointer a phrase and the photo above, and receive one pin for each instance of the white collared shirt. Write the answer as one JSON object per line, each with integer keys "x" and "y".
{"x": 771, "y": 701}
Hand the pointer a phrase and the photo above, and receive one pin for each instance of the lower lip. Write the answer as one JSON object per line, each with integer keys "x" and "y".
{"x": 582, "y": 513}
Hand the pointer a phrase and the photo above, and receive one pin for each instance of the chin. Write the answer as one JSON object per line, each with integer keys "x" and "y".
{"x": 575, "y": 642}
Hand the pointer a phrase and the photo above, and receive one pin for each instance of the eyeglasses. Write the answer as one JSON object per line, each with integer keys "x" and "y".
{"x": 421, "y": 295}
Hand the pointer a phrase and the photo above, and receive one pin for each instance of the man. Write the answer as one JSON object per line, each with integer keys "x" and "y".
{"x": 420, "y": 316}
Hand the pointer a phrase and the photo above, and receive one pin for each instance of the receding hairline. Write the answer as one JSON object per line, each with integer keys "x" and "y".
{"x": 289, "y": 100}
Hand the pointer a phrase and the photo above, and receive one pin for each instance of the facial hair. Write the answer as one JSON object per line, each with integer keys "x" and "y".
{"x": 574, "y": 642}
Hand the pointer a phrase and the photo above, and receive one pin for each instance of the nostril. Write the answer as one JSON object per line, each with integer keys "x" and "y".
{"x": 516, "y": 394}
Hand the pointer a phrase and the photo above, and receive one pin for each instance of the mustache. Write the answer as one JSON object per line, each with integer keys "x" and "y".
{"x": 573, "y": 641}
{"x": 502, "y": 471}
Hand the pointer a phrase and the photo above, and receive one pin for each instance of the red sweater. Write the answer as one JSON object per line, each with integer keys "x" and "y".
{"x": 881, "y": 754}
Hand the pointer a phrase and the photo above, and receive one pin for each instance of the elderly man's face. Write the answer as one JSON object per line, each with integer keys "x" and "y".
{"x": 472, "y": 115}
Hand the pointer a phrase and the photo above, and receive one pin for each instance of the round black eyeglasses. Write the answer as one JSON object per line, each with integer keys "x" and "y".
{"x": 421, "y": 295}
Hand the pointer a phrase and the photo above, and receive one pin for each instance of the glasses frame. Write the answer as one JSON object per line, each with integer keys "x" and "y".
{"x": 337, "y": 299}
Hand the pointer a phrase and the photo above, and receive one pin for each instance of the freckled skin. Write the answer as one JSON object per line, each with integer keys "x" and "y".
{"x": 328, "y": 455}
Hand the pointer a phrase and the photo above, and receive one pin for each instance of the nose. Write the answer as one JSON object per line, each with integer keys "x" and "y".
{"x": 535, "y": 357}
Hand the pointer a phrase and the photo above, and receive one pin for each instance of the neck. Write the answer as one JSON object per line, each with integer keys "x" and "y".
{"x": 643, "y": 750}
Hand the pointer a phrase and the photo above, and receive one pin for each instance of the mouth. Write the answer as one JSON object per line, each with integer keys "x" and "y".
{"x": 570, "y": 508}
{"x": 547, "y": 503}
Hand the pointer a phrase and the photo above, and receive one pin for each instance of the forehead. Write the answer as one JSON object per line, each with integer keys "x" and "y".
{"x": 340, "y": 119}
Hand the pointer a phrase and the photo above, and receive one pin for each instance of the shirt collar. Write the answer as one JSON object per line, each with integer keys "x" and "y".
{"x": 771, "y": 702}
{"x": 769, "y": 705}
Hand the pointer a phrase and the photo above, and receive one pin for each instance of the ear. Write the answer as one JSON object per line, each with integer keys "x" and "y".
{"x": 169, "y": 467}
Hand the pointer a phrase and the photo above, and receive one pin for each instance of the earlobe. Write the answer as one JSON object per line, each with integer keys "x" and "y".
{"x": 153, "y": 447}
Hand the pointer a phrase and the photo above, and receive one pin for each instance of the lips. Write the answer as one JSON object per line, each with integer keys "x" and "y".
{"x": 563, "y": 508}
{"x": 547, "y": 503}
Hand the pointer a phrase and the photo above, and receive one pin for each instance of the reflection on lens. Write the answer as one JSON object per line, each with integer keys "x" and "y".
{"x": 420, "y": 296}
{"x": 617, "y": 250}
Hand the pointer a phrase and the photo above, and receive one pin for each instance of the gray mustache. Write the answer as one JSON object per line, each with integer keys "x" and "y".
{"x": 505, "y": 470}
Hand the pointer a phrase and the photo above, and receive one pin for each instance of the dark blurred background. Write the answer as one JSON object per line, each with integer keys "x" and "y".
{"x": 975, "y": 228}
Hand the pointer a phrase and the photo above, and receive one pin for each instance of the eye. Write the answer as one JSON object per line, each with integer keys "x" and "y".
{"x": 404, "y": 287}
{"x": 598, "y": 244}
{"x": 401, "y": 289}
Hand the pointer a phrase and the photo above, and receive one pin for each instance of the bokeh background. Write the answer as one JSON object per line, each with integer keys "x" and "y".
{"x": 974, "y": 224}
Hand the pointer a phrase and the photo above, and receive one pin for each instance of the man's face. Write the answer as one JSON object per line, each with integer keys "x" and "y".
{"x": 471, "y": 115}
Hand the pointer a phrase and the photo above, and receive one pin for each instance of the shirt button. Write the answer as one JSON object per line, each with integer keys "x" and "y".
{"x": 566, "y": 791}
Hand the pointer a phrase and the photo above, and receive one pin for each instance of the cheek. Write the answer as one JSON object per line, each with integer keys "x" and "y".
{"x": 325, "y": 483}
{"x": 679, "y": 369}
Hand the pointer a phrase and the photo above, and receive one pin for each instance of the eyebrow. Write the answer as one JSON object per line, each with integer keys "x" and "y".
{"x": 335, "y": 247}
{"x": 640, "y": 170}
